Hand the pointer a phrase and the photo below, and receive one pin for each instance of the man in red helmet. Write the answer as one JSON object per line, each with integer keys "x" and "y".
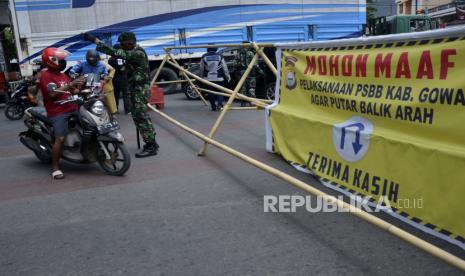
{"x": 54, "y": 60}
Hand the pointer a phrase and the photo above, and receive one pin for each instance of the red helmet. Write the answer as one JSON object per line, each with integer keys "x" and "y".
{"x": 54, "y": 58}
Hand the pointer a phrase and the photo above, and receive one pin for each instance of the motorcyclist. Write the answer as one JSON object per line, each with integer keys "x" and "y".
{"x": 91, "y": 65}
{"x": 54, "y": 59}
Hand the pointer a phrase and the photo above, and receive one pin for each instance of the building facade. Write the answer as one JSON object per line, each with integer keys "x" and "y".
{"x": 447, "y": 12}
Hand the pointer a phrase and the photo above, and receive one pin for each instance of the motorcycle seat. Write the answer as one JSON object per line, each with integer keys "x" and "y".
{"x": 40, "y": 114}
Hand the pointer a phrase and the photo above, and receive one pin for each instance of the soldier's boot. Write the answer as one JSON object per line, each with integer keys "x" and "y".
{"x": 149, "y": 149}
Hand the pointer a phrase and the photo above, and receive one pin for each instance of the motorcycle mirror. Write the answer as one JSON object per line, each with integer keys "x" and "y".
{"x": 51, "y": 87}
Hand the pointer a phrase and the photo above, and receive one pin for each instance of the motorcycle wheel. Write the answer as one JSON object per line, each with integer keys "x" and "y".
{"x": 43, "y": 157}
{"x": 14, "y": 112}
{"x": 120, "y": 160}
{"x": 190, "y": 93}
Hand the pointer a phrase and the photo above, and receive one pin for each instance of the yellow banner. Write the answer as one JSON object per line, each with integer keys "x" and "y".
{"x": 381, "y": 120}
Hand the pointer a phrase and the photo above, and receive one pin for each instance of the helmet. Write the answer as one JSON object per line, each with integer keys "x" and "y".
{"x": 125, "y": 36}
{"x": 92, "y": 57}
{"x": 54, "y": 58}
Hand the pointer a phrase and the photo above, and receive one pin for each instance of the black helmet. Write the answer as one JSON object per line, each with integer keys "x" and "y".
{"x": 92, "y": 57}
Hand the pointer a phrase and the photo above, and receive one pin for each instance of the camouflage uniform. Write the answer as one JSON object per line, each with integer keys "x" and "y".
{"x": 139, "y": 87}
{"x": 244, "y": 57}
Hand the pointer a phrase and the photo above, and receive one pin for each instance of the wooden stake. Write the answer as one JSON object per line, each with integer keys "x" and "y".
{"x": 228, "y": 104}
{"x": 390, "y": 228}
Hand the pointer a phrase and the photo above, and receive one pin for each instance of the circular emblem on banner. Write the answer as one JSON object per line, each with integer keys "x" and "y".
{"x": 351, "y": 138}
{"x": 291, "y": 80}
{"x": 291, "y": 77}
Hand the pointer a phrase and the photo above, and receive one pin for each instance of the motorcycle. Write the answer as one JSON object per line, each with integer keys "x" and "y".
{"x": 93, "y": 135}
{"x": 20, "y": 100}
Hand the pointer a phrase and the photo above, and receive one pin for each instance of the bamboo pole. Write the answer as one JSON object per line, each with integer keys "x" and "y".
{"x": 159, "y": 70}
{"x": 214, "y": 85}
{"x": 175, "y": 81}
{"x": 266, "y": 59}
{"x": 244, "y": 108}
{"x": 187, "y": 78}
{"x": 218, "y": 46}
{"x": 257, "y": 102}
{"x": 390, "y": 228}
{"x": 228, "y": 104}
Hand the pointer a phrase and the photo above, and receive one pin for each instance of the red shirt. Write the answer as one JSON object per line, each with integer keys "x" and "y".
{"x": 60, "y": 79}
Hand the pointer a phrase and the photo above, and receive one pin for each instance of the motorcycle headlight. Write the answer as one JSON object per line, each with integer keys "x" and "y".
{"x": 97, "y": 108}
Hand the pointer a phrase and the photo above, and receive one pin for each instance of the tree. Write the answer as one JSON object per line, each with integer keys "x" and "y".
{"x": 371, "y": 10}
{"x": 9, "y": 48}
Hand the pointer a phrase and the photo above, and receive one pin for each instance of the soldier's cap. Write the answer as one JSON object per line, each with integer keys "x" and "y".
{"x": 125, "y": 36}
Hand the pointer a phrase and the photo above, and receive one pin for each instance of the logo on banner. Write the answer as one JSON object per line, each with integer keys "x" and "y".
{"x": 291, "y": 80}
{"x": 352, "y": 138}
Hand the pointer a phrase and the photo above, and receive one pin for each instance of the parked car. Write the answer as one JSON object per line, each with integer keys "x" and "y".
{"x": 265, "y": 83}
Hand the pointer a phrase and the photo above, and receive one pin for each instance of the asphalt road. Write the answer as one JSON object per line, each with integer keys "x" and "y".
{"x": 179, "y": 214}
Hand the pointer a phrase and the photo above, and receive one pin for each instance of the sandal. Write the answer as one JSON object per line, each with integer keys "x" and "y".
{"x": 58, "y": 174}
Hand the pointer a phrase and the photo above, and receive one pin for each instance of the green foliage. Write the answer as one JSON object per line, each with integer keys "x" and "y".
{"x": 371, "y": 10}
{"x": 8, "y": 40}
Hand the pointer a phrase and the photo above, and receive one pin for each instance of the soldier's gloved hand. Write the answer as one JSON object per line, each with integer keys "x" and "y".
{"x": 89, "y": 37}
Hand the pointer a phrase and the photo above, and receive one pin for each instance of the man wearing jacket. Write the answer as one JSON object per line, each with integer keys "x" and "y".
{"x": 213, "y": 68}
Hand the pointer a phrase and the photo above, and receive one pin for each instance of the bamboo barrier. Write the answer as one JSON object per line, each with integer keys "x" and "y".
{"x": 388, "y": 227}
{"x": 228, "y": 104}
{"x": 231, "y": 94}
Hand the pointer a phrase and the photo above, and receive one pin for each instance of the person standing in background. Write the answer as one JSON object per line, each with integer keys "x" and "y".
{"x": 213, "y": 68}
{"x": 108, "y": 89}
{"x": 120, "y": 81}
{"x": 244, "y": 57}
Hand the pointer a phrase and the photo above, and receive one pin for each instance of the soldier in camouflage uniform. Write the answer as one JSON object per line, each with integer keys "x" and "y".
{"x": 139, "y": 85}
{"x": 244, "y": 57}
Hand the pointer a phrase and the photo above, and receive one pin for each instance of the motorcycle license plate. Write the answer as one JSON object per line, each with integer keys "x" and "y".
{"x": 106, "y": 128}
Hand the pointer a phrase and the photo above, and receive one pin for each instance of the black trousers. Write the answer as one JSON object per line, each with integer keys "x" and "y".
{"x": 121, "y": 91}
{"x": 216, "y": 101}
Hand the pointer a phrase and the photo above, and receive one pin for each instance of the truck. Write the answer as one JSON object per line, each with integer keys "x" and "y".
{"x": 166, "y": 23}
{"x": 397, "y": 24}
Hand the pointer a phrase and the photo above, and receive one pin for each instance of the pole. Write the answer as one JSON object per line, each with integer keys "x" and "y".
{"x": 214, "y": 85}
{"x": 187, "y": 78}
{"x": 228, "y": 104}
{"x": 216, "y": 46}
{"x": 390, "y": 228}
{"x": 174, "y": 81}
{"x": 257, "y": 102}
{"x": 266, "y": 59}
{"x": 159, "y": 70}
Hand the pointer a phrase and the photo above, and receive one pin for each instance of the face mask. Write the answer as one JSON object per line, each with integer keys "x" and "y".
{"x": 62, "y": 64}
{"x": 92, "y": 61}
